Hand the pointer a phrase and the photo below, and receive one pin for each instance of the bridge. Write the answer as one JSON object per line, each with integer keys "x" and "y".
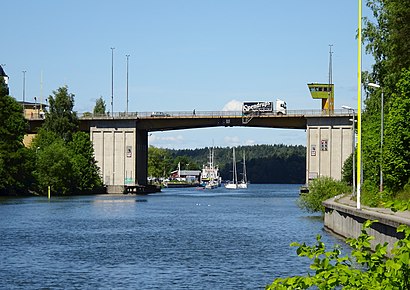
{"x": 121, "y": 140}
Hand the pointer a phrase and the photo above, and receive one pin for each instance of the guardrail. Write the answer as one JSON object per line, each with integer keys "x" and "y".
{"x": 209, "y": 114}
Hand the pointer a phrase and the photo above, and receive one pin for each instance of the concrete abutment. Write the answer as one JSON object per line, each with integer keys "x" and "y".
{"x": 345, "y": 220}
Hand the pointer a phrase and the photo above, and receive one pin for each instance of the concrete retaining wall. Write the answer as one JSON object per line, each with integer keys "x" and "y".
{"x": 347, "y": 221}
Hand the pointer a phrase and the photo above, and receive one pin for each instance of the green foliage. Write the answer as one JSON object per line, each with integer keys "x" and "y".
{"x": 398, "y": 205}
{"x": 402, "y": 201}
{"x": 68, "y": 167}
{"x": 186, "y": 163}
{"x": 159, "y": 162}
{"x": 347, "y": 170}
{"x": 100, "y": 107}
{"x": 371, "y": 195}
{"x": 320, "y": 189}
{"x": 365, "y": 268}
{"x": 64, "y": 157}
{"x": 84, "y": 165}
{"x": 396, "y": 157}
{"x": 54, "y": 168}
{"x": 13, "y": 125}
{"x": 387, "y": 40}
{"x": 61, "y": 119}
{"x": 15, "y": 165}
{"x": 16, "y": 169}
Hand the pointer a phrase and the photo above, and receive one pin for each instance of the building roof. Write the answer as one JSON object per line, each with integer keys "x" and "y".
{"x": 28, "y": 104}
{"x": 187, "y": 172}
{"x": 2, "y": 73}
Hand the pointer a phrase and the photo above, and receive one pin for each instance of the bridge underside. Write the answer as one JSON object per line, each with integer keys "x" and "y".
{"x": 167, "y": 124}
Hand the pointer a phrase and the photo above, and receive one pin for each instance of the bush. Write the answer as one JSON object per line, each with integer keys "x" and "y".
{"x": 365, "y": 268}
{"x": 371, "y": 195}
{"x": 320, "y": 189}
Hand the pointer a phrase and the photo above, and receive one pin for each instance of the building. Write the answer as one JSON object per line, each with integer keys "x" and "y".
{"x": 5, "y": 77}
{"x": 33, "y": 110}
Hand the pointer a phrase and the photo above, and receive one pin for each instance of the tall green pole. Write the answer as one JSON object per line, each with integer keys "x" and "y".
{"x": 359, "y": 103}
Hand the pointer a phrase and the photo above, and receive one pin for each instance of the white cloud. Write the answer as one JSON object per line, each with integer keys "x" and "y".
{"x": 249, "y": 142}
{"x": 233, "y": 105}
{"x": 165, "y": 140}
{"x": 232, "y": 140}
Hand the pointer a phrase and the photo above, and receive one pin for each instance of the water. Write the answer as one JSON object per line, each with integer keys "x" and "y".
{"x": 178, "y": 239}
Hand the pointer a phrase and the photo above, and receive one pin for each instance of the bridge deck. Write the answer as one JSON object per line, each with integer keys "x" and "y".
{"x": 208, "y": 114}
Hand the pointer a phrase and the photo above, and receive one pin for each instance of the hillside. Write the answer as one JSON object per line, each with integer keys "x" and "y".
{"x": 265, "y": 163}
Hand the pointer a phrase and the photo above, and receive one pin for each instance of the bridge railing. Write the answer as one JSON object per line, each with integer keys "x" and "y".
{"x": 206, "y": 114}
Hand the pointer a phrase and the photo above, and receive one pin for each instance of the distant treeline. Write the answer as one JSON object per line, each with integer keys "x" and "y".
{"x": 264, "y": 163}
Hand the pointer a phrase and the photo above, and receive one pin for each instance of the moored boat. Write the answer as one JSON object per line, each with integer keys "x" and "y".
{"x": 233, "y": 184}
{"x": 210, "y": 178}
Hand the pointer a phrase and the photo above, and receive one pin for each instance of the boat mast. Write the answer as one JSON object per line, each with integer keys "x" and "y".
{"x": 245, "y": 179}
{"x": 235, "y": 175}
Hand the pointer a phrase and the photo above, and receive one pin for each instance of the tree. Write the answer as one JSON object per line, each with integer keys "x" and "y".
{"x": 55, "y": 168}
{"x": 64, "y": 156}
{"x": 387, "y": 40}
{"x": 159, "y": 162}
{"x": 61, "y": 118}
{"x": 84, "y": 163}
{"x": 15, "y": 165}
{"x": 100, "y": 107}
{"x": 396, "y": 151}
{"x": 347, "y": 170}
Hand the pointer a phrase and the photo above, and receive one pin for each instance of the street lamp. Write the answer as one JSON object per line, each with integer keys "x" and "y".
{"x": 112, "y": 81}
{"x": 128, "y": 56}
{"x": 359, "y": 101}
{"x": 24, "y": 91}
{"x": 350, "y": 109}
{"x": 35, "y": 106}
{"x": 373, "y": 85}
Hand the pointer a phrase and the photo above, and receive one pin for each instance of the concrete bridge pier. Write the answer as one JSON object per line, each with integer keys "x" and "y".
{"x": 121, "y": 152}
{"x": 329, "y": 144}
{"x": 142, "y": 156}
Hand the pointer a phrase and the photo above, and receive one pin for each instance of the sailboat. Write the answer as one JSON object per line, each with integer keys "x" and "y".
{"x": 234, "y": 183}
{"x": 244, "y": 181}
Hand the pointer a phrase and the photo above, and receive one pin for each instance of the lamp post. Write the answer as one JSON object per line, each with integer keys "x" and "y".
{"x": 359, "y": 102}
{"x": 373, "y": 85}
{"x": 112, "y": 81}
{"x": 350, "y": 109}
{"x": 35, "y": 107}
{"x": 128, "y": 56}
{"x": 24, "y": 91}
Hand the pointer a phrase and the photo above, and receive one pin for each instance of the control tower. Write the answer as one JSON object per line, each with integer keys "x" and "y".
{"x": 325, "y": 92}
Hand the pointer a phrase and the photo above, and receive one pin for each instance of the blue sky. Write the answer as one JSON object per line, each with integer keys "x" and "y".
{"x": 184, "y": 55}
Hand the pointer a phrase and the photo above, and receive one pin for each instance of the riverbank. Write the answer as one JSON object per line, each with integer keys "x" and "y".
{"x": 344, "y": 219}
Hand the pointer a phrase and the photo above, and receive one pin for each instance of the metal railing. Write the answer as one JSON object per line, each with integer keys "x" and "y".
{"x": 209, "y": 114}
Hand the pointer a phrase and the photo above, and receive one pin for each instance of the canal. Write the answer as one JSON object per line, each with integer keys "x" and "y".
{"x": 177, "y": 239}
